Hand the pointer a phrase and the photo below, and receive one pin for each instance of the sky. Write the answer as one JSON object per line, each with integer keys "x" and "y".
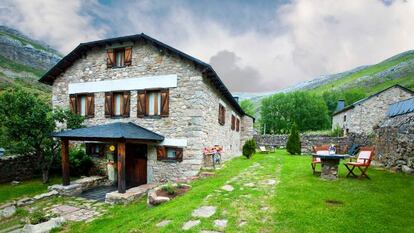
{"x": 254, "y": 46}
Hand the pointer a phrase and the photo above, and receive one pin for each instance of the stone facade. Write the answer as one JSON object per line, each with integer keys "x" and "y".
{"x": 395, "y": 143}
{"x": 194, "y": 105}
{"x": 17, "y": 167}
{"x": 368, "y": 114}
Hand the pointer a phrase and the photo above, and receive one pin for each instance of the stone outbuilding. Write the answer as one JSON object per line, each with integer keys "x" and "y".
{"x": 364, "y": 115}
{"x": 150, "y": 109}
{"x": 395, "y": 137}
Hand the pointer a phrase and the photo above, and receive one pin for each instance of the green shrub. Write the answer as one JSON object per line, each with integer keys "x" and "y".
{"x": 169, "y": 188}
{"x": 293, "y": 145}
{"x": 337, "y": 132}
{"x": 249, "y": 148}
{"x": 80, "y": 163}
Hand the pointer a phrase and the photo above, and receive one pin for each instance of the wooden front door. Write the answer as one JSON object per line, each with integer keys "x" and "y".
{"x": 136, "y": 164}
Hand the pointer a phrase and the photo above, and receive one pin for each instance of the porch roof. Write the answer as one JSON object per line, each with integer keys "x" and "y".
{"x": 112, "y": 131}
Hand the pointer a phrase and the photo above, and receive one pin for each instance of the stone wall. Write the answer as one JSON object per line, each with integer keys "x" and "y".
{"x": 307, "y": 141}
{"x": 395, "y": 143}
{"x": 17, "y": 167}
{"x": 370, "y": 113}
{"x": 193, "y": 111}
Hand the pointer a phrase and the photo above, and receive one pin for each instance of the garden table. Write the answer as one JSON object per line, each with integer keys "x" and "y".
{"x": 329, "y": 164}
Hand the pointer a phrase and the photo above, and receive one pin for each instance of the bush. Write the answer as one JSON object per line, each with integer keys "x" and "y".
{"x": 38, "y": 217}
{"x": 337, "y": 131}
{"x": 169, "y": 188}
{"x": 80, "y": 163}
{"x": 293, "y": 145}
{"x": 249, "y": 148}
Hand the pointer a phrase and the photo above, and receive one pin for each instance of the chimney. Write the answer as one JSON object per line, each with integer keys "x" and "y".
{"x": 340, "y": 105}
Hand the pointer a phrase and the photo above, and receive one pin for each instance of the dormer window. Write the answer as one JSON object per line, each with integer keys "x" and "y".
{"x": 119, "y": 57}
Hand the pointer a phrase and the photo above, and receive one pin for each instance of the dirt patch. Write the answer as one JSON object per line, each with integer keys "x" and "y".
{"x": 334, "y": 202}
{"x": 178, "y": 191}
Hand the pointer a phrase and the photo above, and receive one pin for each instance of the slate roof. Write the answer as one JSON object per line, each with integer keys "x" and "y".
{"x": 82, "y": 48}
{"x": 401, "y": 107}
{"x": 369, "y": 97}
{"x": 118, "y": 130}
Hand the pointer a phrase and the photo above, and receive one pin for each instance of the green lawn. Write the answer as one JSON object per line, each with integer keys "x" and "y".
{"x": 25, "y": 188}
{"x": 296, "y": 204}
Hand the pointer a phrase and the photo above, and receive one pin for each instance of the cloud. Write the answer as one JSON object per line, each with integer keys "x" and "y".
{"x": 239, "y": 78}
{"x": 277, "y": 44}
{"x": 62, "y": 24}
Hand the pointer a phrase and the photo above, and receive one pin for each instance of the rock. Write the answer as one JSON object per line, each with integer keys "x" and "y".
{"x": 204, "y": 211}
{"x": 401, "y": 162}
{"x": 406, "y": 169}
{"x": 153, "y": 199}
{"x": 249, "y": 185}
{"x": 44, "y": 226}
{"x": 228, "y": 188}
{"x": 220, "y": 223}
{"x": 68, "y": 190}
{"x": 163, "y": 223}
{"x": 45, "y": 195}
{"x": 190, "y": 224}
{"x": 24, "y": 201}
{"x": 7, "y": 210}
{"x": 271, "y": 182}
{"x": 15, "y": 182}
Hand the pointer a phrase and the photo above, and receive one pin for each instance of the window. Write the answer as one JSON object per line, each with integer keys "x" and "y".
{"x": 222, "y": 115}
{"x": 95, "y": 149}
{"x": 344, "y": 118}
{"x": 154, "y": 103}
{"x": 82, "y": 104}
{"x": 119, "y": 57}
{"x": 117, "y": 104}
{"x": 237, "y": 125}
{"x": 233, "y": 122}
{"x": 166, "y": 153}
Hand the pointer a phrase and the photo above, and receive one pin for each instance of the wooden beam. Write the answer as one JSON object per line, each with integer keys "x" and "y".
{"x": 121, "y": 168}
{"x": 65, "y": 162}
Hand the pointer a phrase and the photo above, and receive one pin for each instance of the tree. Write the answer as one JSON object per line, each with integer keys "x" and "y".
{"x": 280, "y": 111}
{"x": 349, "y": 96}
{"x": 248, "y": 107}
{"x": 249, "y": 148}
{"x": 27, "y": 122}
{"x": 293, "y": 145}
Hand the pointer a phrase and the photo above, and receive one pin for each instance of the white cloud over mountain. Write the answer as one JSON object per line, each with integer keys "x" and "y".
{"x": 268, "y": 48}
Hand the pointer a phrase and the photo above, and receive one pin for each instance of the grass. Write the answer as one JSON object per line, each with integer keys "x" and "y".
{"x": 10, "y": 192}
{"x": 301, "y": 202}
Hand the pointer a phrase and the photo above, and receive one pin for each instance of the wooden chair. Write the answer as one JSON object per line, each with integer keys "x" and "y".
{"x": 363, "y": 162}
{"x": 319, "y": 150}
{"x": 263, "y": 150}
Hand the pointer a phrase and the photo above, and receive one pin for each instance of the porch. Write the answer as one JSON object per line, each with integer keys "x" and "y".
{"x": 126, "y": 151}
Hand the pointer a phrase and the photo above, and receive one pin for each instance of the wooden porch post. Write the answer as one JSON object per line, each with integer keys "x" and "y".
{"x": 121, "y": 167}
{"x": 65, "y": 162}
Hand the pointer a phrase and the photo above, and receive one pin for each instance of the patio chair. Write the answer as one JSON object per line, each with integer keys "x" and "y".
{"x": 363, "y": 162}
{"x": 319, "y": 150}
{"x": 263, "y": 150}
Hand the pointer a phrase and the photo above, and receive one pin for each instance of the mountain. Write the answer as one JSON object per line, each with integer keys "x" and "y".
{"x": 24, "y": 60}
{"x": 371, "y": 78}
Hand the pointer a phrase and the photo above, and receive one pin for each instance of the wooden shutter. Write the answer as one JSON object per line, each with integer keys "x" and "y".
{"x": 73, "y": 103}
{"x": 179, "y": 154}
{"x": 222, "y": 115}
{"x": 237, "y": 125}
{"x": 126, "y": 105}
{"x": 165, "y": 102}
{"x": 110, "y": 58}
{"x": 128, "y": 56}
{"x": 142, "y": 102}
{"x": 108, "y": 104}
{"x": 90, "y": 105}
{"x": 233, "y": 122}
{"x": 161, "y": 153}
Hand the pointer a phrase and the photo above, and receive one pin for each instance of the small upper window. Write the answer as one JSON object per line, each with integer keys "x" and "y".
{"x": 233, "y": 122}
{"x": 171, "y": 153}
{"x": 222, "y": 115}
{"x": 120, "y": 57}
{"x": 344, "y": 118}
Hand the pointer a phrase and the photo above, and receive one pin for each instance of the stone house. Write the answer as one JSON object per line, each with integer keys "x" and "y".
{"x": 394, "y": 139}
{"x": 364, "y": 115}
{"x": 150, "y": 109}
